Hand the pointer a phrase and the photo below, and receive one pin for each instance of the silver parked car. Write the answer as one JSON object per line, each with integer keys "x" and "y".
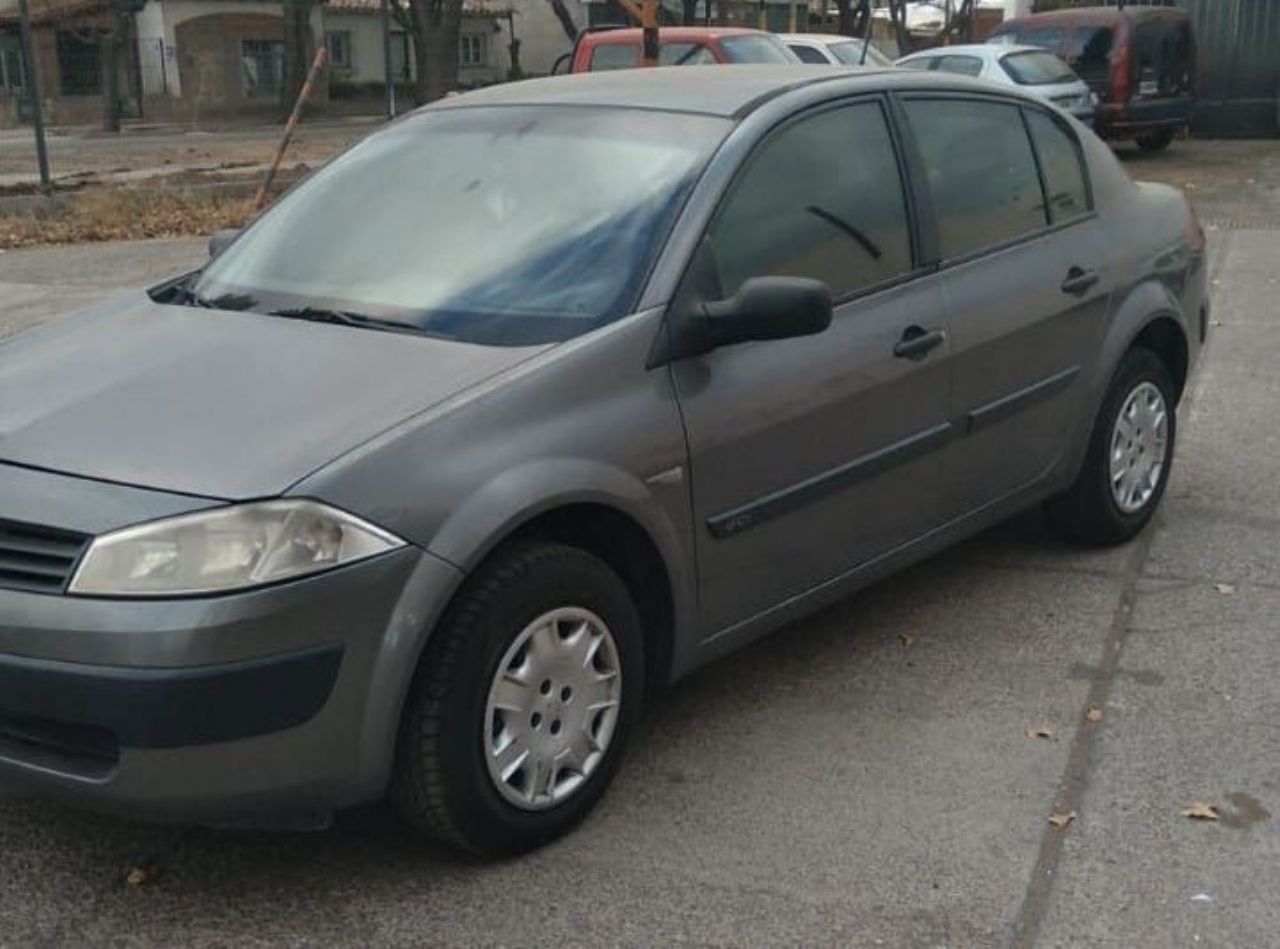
{"x": 834, "y": 49}
{"x": 548, "y": 394}
{"x": 1031, "y": 68}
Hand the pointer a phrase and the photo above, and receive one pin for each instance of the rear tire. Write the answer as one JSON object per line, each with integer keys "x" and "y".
{"x": 1155, "y": 141}
{"x": 512, "y": 627}
{"x": 1119, "y": 487}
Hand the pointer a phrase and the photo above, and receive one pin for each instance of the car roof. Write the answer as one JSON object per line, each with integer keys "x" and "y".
{"x": 728, "y": 91}
{"x": 984, "y": 50}
{"x": 676, "y": 34}
{"x": 1093, "y": 16}
{"x": 822, "y": 39}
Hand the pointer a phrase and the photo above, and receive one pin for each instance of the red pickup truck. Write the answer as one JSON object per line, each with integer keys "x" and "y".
{"x": 678, "y": 46}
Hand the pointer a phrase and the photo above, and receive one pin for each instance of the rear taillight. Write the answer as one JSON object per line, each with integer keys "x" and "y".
{"x": 1121, "y": 83}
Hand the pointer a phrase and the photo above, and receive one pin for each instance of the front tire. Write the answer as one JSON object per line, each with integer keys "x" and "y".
{"x": 1155, "y": 141}
{"x": 1129, "y": 456}
{"x": 523, "y": 702}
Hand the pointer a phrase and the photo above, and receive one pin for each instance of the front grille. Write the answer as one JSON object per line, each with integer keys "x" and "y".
{"x": 39, "y": 559}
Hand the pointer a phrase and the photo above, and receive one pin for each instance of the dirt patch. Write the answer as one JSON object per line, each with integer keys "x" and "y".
{"x": 111, "y": 214}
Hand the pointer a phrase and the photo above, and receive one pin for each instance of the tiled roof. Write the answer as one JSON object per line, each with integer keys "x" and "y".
{"x": 53, "y": 11}
{"x": 469, "y": 7}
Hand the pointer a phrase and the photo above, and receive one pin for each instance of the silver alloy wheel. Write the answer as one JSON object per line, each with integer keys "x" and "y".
{"x": 553, "y": 708}
{"x": 1139, "y": 447}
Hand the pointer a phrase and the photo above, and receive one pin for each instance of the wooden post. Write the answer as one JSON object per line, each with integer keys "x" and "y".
{"x": 317, "y": 64}
{"x": 647, "y": 16}
{"x": 32, "y": 82}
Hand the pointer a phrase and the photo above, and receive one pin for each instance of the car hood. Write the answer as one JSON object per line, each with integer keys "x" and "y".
{"x": 216, "y": 403}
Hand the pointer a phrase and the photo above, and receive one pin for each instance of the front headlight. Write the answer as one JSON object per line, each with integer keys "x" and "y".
{"x": 226, "y": 549}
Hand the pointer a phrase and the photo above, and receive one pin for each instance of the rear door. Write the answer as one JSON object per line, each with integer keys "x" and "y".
{"x": 1162, "y": 69}
{"x": 810, "y": 456}
{"x": 1025, "y": 280}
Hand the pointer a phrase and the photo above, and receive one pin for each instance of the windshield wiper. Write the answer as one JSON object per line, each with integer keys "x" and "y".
{"x": 320, "y": 314}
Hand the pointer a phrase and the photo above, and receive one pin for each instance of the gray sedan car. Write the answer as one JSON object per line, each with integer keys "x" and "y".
{"x": 540, "y": 398}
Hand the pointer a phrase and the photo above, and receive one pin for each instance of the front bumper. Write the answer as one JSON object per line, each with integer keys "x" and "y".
{"x": 248, "y": 707}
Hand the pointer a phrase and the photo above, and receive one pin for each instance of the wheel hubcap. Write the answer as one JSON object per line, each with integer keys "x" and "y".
{"x": 1139, "y": 445}
{"x": 552, "y": 708}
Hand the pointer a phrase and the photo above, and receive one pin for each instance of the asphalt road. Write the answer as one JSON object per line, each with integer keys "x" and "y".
{"x": 862, "y": 778}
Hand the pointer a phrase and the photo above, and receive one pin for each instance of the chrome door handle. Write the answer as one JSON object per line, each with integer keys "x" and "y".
{"x": 1079, "y": 280}
{"x": 917, "y": 342}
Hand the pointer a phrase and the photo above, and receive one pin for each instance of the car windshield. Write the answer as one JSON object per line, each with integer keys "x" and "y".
{"x": 851, "y": 53}
{"x": 498, "y": 225}
{"x": 756, "y": 48}
{"x": 1036, "y": 68}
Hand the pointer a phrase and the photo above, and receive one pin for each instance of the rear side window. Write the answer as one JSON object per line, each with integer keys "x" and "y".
{"x": 821, "y": 198}
{"x": 1090, "y": 54}
{"x": 615, "y": 56}
{"x": 807, "y": 54}
{"x": 981, "y": 172}
{"x": 756, "y": 48}
{"x": 1036, "y": 69}
{"x": 1060, "y": 165}
{"x": 923, "y": 63}
{"x": 684, "y": 54}
{"x": 961, "y": 65}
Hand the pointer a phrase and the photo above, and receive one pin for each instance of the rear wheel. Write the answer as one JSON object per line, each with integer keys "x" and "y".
{"x": 1155, "y": 141}
{"x": 523, "y": 703}
{"x": 1129, "y": 456}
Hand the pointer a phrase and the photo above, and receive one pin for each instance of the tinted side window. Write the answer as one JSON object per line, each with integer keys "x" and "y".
{"x": 964, "y": 65}
{"x": 981, "y": 171}
{"x": 807, "y": 54}
{"x": 822, "y": 198}
{"x": 684, "y": 54}
{"x": 615, "y": 56}
{"x": 1060, "y": 165}
{"x": 923, "y": 63}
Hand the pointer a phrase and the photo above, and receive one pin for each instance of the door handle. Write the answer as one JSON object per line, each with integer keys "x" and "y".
{"x": 917, "y": 342}
{"x": 1079, "y": 280}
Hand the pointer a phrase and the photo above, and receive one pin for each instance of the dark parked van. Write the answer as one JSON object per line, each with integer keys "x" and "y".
{"x": 1139, "y": 60}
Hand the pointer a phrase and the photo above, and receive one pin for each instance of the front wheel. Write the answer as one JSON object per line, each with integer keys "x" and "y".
{"x": 1155, "y": 141}
{"x": 1129, "y": 456}
{"x": 523, "y": 702}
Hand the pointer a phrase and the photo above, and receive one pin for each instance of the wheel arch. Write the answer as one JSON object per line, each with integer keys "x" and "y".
{"x": 632, "y": 525}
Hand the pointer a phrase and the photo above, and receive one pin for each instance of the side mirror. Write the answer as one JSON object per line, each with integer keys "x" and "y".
{"x": 220, "y": 240}
{"x": 770, "y": 308}
{"x": 763, "y": 308}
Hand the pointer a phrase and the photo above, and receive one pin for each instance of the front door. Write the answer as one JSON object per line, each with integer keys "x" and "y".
{"x": 810, "y": 456}
{"x": 1025, "y": 283}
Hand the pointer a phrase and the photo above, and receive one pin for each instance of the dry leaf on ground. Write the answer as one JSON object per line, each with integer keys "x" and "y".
{"x": 1039, "y": 731}
{"x": 1226, "y": 589}
{"x": 141, "y": 875}
{"x": 1062, "y": 820}
{"x": 907, "y": 640}
{"x": 1094, "y": 714}
{"x": 1199, "y": 810}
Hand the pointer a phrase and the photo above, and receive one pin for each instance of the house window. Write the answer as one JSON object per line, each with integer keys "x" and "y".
{"x": 263, "y": 62}
{"x": 472, "y": 49}
{"x": 79, "y": 64}
{"x": 12, "y": 77}
{"x": 339, "y": 43}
